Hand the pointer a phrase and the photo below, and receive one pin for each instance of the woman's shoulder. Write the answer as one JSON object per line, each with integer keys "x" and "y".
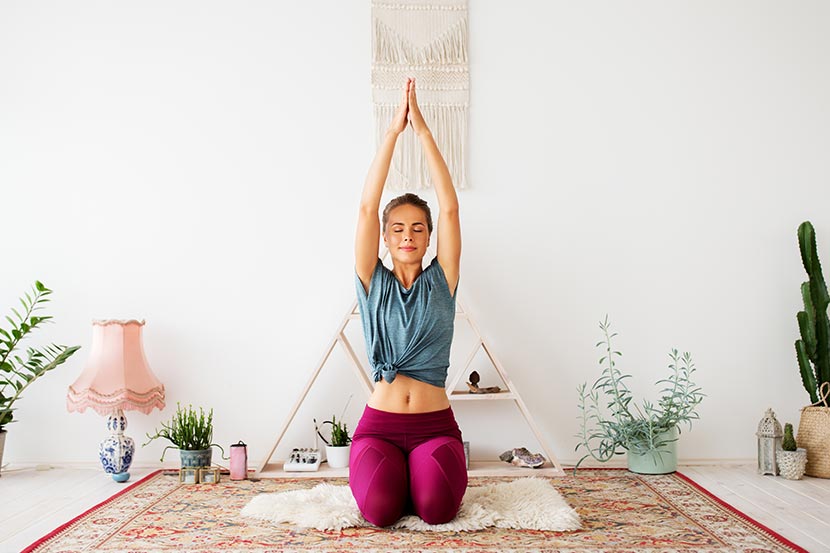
{"x": 434, "y": 270}
{"x": 435, "y": 274}
{"x": 380, "y": 275}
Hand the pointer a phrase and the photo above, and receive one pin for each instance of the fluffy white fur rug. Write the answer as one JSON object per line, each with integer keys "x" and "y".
{"x": 531, "y": 503}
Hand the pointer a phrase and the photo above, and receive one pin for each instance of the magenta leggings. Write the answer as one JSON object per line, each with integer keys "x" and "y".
{"x": 404, "y": 463}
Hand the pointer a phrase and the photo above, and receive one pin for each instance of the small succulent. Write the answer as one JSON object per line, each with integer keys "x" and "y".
{"x": 339, "y": 432}
{"x": 789, "y": 442}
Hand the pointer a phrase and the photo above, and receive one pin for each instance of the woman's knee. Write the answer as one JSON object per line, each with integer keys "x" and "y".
{"x": 438, "y": 476}
{"x": 378, "y": 480}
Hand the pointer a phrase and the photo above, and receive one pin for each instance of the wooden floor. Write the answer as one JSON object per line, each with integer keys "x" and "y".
{"x": 34, "y": 502}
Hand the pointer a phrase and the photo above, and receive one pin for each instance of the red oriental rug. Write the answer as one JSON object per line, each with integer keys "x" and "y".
{"x": 621, "y": 512}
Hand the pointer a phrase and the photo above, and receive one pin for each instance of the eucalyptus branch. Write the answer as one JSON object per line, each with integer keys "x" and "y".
{"x": 631, "y": 427}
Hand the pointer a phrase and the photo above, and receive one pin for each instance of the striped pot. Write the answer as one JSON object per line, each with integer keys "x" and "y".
{"x": 196, "y": 458}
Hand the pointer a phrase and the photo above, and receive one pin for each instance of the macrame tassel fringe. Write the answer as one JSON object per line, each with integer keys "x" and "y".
{"x": 449, "y": 48}
{"x": 409, "y": 169}
{"x": 427, "y": 40}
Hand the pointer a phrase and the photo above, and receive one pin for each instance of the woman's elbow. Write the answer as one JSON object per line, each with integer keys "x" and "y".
{"x": 449, "y": 211}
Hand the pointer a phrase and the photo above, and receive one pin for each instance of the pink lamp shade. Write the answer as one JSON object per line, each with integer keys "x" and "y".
{"x": 116, "y": 375}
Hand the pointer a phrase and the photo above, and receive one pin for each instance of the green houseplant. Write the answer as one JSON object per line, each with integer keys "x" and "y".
{"x": 648, "y": 433}
{"x": 813, "y": 354}
{"x": 191, "y": 434}
{"x": 17, "y": 373}
{"x": 813, "y": 348}
{"x": 338, "y": 449}
{"x": 791, "y": 459}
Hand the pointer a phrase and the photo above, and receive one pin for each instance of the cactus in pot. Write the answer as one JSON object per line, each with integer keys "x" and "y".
{"x": 813, "y": 348}
{"x": 338, "y": 447}
{"x": 788, "y": 444}
{"x": 792, "y": 460}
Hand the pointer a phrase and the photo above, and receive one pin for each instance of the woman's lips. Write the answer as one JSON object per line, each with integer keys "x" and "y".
{"x": 408, "y": 249}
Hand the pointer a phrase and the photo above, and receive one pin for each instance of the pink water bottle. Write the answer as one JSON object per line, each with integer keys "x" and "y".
{"x": 239, "y": 461}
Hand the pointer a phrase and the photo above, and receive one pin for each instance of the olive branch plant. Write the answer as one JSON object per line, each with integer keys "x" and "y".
{"x": 627, "y": 426}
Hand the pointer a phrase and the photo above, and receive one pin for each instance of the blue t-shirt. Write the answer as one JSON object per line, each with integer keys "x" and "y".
{"x": 410, "y": 331}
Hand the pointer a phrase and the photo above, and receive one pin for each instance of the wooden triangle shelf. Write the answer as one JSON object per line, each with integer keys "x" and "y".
{"x": 454, "y": 395}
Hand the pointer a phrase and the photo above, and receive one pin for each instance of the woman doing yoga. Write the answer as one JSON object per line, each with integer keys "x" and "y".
{"x": 407, "y": 455}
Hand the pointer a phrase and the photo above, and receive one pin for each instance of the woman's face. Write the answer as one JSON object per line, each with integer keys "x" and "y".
{"x": 407, "y": 234}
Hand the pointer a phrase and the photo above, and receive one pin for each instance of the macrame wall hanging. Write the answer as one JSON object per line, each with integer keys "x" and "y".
{"x": 427, "y": 40}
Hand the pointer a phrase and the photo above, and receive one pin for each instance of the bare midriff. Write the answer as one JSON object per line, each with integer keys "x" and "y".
{"x": 407, "y": 395}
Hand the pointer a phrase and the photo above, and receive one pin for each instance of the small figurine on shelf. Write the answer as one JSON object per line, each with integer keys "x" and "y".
{"x": 521, "y": 457}
{"x": 473, "y": 385}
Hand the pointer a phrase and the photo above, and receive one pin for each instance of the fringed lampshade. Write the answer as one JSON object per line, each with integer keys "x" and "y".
{"x": 115, "y": 379}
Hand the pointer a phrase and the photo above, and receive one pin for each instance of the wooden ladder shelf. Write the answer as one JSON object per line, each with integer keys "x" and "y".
{"x": 362, "y": 374}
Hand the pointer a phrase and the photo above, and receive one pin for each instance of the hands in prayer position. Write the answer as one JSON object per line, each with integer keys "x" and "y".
{"x": 408, "y": 112}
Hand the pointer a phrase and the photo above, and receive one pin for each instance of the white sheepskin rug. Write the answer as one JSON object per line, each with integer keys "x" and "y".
{"x": 531, "y": 503}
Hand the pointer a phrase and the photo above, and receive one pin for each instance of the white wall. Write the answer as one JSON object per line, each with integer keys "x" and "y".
{"x": 199, "y": 164}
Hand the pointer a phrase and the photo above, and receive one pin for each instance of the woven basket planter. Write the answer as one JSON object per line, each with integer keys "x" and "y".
{"x": 791, "y": 464}
{"x": 814, "y": 436}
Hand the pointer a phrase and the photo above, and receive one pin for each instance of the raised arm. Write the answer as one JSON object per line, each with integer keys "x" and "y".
{"x": 449, "y": 225}
{"x": 368, "y": 223}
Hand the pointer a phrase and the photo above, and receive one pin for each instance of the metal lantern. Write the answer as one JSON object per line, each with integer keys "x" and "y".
{"x": 769, "y": 442}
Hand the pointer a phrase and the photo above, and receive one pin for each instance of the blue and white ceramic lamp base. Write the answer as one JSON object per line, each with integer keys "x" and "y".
{"x": 116, "y": 451}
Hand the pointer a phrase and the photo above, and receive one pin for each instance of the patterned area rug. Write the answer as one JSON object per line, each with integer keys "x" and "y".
{"x": 621, "y": 512}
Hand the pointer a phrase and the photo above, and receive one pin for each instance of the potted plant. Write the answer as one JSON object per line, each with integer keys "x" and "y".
{"x": 337, "y": 451}
{"x": 18, "y": 373}
{"x": 813, "y": 355}
{"x": 813, "y": 348}
{"x": 191, "y": 434}
{"x": 649, "y": 433}
{"x": 792, "y": 460}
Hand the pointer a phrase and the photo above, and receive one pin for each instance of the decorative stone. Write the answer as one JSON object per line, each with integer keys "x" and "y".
{"x": 521, "y": 457}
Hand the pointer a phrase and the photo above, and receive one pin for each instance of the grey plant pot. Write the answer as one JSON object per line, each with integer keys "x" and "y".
{"x": 662, "y": 461}
{"x": 791, "y": 464}
{"x": 2, "y": 446}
